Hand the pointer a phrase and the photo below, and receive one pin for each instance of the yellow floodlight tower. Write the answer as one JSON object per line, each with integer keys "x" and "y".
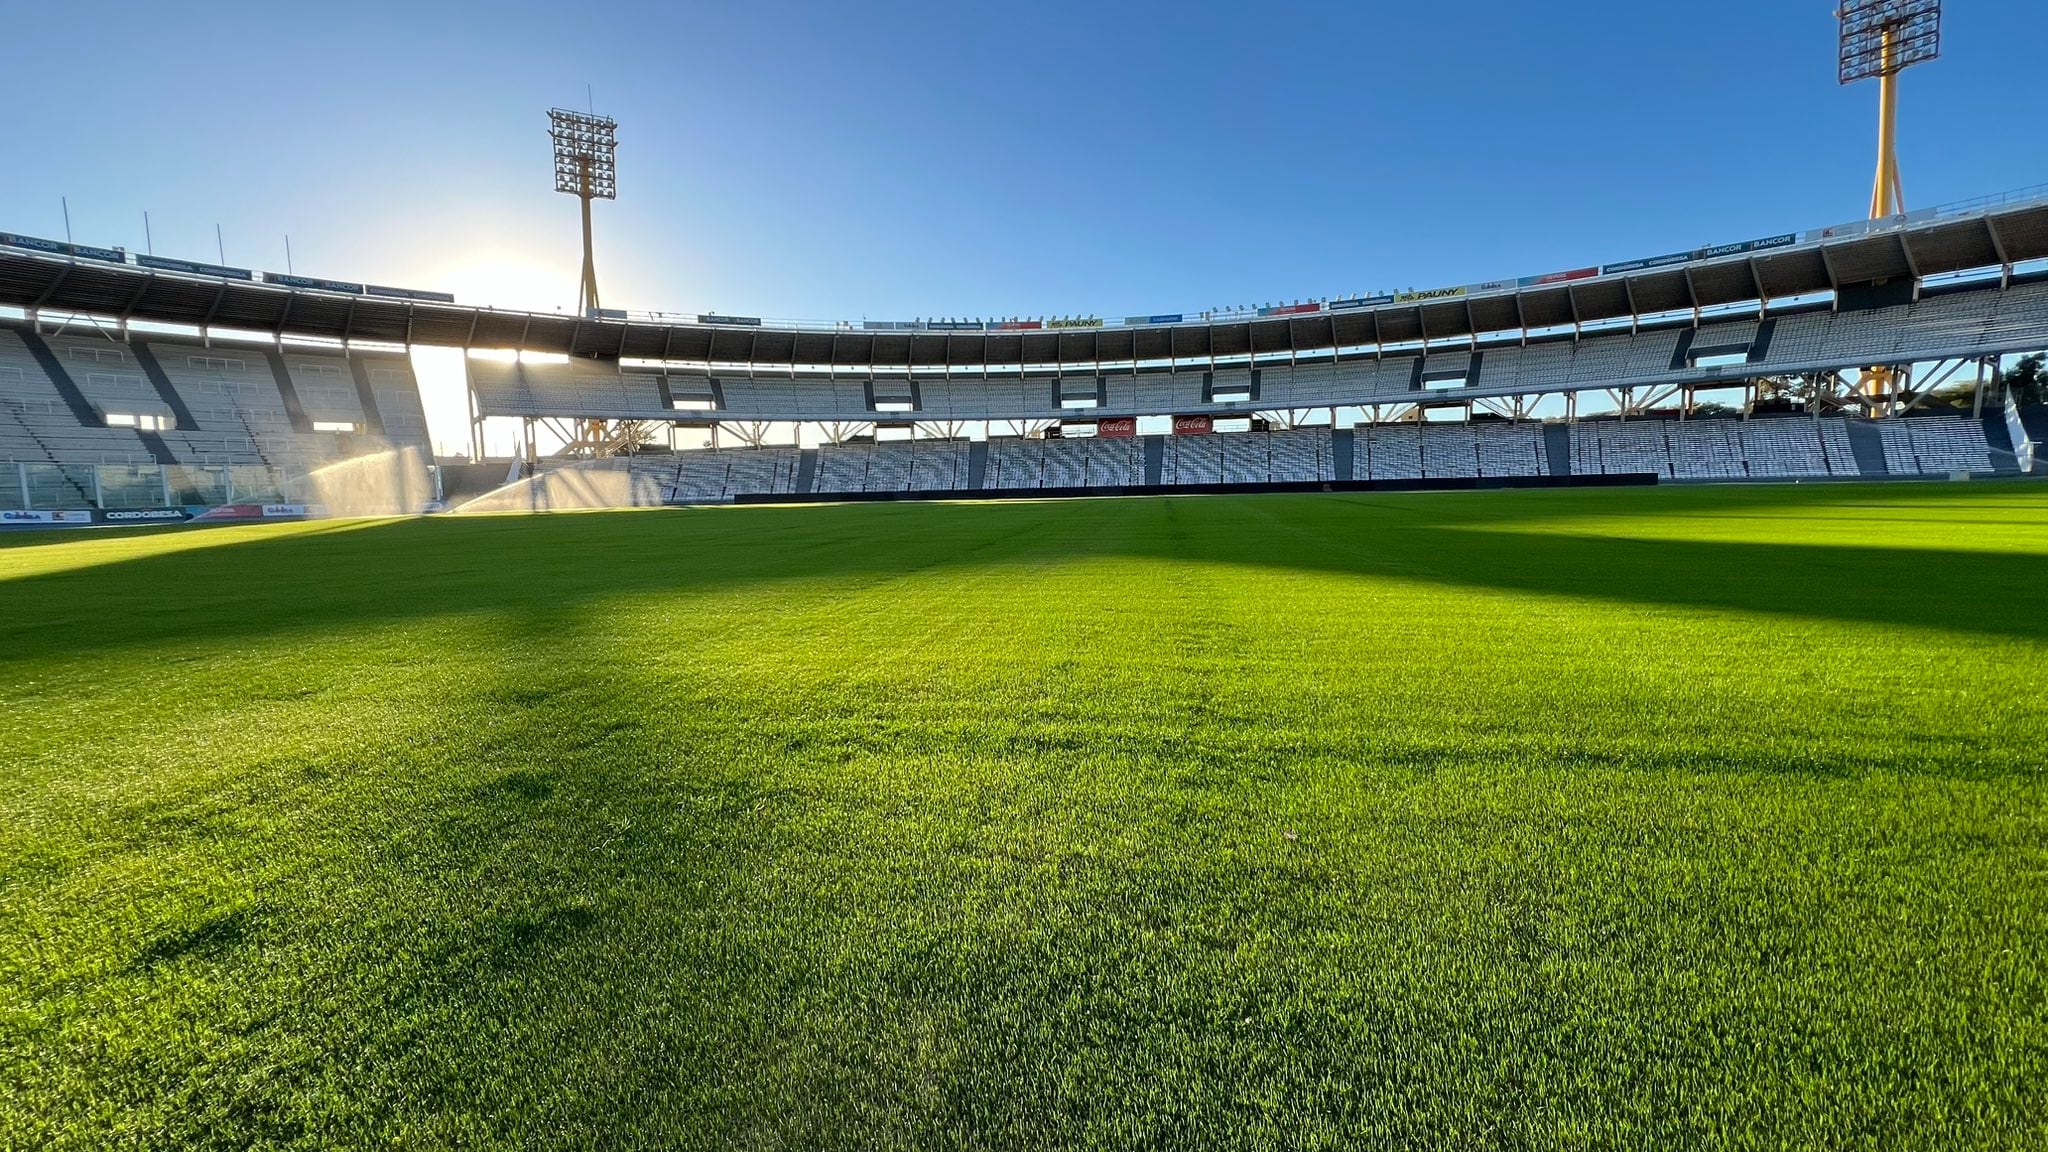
{"x": 1882, "y": 38}
{"x": 586, "y": 167}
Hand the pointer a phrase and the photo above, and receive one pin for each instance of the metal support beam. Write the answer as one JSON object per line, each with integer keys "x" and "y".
{"x": 214, "y": 308}
{"x": 51, "y": 290}
{"x": 1997, "y": 246}
{"x": 1912, "y": 265}
{"x": 135, "y": 300}
{"x": 1834, "y": 279}
{"x": 1945, "y": 370}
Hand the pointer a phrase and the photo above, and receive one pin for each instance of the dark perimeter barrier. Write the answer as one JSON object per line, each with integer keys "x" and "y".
{"x": 1440, "y": 484}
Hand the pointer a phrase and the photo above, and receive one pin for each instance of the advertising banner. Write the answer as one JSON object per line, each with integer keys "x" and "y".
{"x": 1015, "y": 325}
{"x": 940, "y": 325}
{"x": 741, "y": 321}
{"x": 59, "y": 248}
{"x": 144, "y": 516}
{"x": 56, "y": 247}
{"x": 1429, "y": 294}
{"x": 1720, "y": 250}
{"x": 1665, "y": 261}
{"x": 191, "y": 269}
{"x": 1490, "y": 286}
{"x": 33, "y": 518}
{"x": 1360, "y": 302}
{"x": 288, "y": 281}
{"x": 1117, "y": 427}
{"x": 232, "y": 512}
{"x": 1076, "y": 322}
{"x": 80, "y": 517}
{"x": 1839, "y": 232}
{"x": 1165, "y": 318}
{"x": 408, "y": 294}
{"x": 885, "y": 325}
{"x": 1193, "y": 425}
{"x": 261, "y": 512}
{"x": 1290, "y": 310}
{"x": 1558, "y": 277}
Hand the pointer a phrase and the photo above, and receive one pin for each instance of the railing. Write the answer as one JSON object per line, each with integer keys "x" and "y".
{"x": 117, "y": 486}
{"x": 1981, "y": 204}
{"x": 78, "y": 485}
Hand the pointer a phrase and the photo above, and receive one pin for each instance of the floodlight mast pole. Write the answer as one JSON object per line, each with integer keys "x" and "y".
{"x": 1877, "y": 383}
{"x": 1887, "y": 196}
{"x": 587, "y": 299}
{"x": 590, "y": 431}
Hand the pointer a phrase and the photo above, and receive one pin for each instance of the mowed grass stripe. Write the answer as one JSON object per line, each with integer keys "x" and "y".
{"x": 1695, "y": 817}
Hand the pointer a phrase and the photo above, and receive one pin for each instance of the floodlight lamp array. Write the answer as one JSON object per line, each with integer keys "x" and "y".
{"x": 1912, "y": 27}
{"x": 583, "y": 140}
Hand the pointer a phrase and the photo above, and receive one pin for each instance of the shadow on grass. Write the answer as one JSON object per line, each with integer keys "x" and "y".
{"x": 544, "y": 566}
{"x": 211, "y": 938}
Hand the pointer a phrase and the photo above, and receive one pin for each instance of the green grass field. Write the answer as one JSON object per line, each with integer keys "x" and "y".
{"x": 1656, "y": 818}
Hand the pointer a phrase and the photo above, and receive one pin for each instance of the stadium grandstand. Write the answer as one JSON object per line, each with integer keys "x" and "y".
{"x": 136, "y": 382}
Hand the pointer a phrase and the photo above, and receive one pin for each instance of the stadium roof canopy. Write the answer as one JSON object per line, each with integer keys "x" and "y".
{"x": 2001, "y": 233}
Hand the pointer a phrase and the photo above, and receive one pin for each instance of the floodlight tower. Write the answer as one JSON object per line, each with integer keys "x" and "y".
{"x": 586, "y": 167}
{"x": 1882, "y": 38}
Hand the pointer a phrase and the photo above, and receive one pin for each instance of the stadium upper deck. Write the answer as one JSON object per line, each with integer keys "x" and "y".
{"x": 1847, "y": 260}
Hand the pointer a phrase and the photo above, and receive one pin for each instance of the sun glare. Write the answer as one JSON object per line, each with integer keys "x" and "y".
{"x": 513, "y": 281}
{"x": 498, "y": 279}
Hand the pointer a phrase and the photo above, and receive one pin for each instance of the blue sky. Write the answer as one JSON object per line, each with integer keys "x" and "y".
{"x": 898, "y": 160}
